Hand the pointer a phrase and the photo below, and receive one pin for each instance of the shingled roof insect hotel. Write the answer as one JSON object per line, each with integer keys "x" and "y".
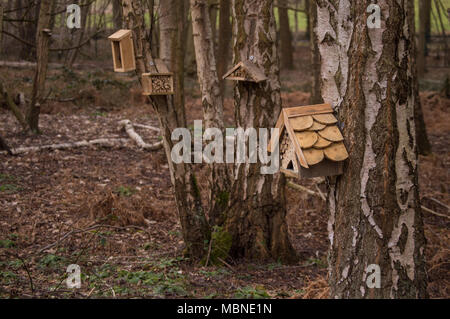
{"x": 311, "y": 143}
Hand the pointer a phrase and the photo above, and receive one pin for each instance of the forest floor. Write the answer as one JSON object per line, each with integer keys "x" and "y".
{"x": 54, "y": 204}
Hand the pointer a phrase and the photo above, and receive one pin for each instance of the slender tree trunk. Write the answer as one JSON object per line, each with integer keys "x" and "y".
{"x": 223, "y": 50}
{"x": 287, "y": 60}
{"x": 256, "y": 219}
{"x": 1, "y": 27}
{"x": 117, "y": 14}
{"x": 424, "y": 25}
{"x": 308, "y": 5}
{"x": 4, "y": 146}
{"x": 213, "y": 18}
{"x": 296, "y": 19}
{"x": 212, "y": 102}
{"x": 193, "y": 221}
{"x": 190, "y": 50}
{"x": 423, "y": 144}
{"x": 42, "y": 43}
{"x": 74, "y": 53}
{"x": 316, "y": 95}
{"x": 375, "y": 216}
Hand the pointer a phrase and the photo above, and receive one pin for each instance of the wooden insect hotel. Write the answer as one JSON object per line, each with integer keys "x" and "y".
{"x": 122, "y": 51}
{"x": 245, "y": 71}
{"x": 158, "y": 83}
{"x": 310, "y": 142}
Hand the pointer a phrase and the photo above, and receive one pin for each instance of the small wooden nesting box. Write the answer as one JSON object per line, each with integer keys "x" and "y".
{"x": 310, "y": 142}
{"x": 245, "y": 71}
{"x": 122, "y": 51}
{"x": 158, "y": 83}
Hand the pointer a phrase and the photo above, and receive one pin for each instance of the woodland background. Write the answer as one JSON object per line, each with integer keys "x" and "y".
{"x": 51, "y": 200}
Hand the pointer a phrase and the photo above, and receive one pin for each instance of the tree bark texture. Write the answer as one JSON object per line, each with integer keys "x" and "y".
{"x": 212, "y": 102}
{"x": 187, "y": 195}
{"x": 257, "y": 216}
{"x": 224, "y": 41}
{"x": 316, "y": 96}
{"x": 42, "y": 44}
{"x": 375, "y": 217}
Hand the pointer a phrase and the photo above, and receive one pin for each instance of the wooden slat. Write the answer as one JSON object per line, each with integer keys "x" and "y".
{"x": 232, "y": 70}
{"x": 331, "y": 133}
{"x": 280, "y": 126}
{"x": 306, "y": 139}
{"x": 308, "y": 110}
{"x": 313, "y": 156}
{"x": 317, "y": 126}
{"x": 326, "y": 119}
{"x": 301, "y": 123}
{"x": 127, "y": 54}
{"x": 235, "y": 78}
{"x": 322, "y": 143}
{"x": 336, "y": 152}
{"x": 119, "y": 35}
{"x": 298, "y": 149}
{"x": 289, "y": 173}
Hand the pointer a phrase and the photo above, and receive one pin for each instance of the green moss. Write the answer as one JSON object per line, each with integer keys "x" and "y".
{"x": 220, "y": 246}
{"x": 195, "y": 186}
{"x": 222, "y": 199}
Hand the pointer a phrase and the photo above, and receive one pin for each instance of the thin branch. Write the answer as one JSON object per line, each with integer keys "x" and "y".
{"x": 434, "y": 213}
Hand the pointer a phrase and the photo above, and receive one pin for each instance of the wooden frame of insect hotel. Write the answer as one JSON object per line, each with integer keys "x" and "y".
{"x": 158, "y": 83}
{"x": 123, "y": 51}
{"x": 310, "y": 142}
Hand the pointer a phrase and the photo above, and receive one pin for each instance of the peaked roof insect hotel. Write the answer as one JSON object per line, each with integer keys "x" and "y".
{"x": 310, "y": 141}
{"x": 123, "y": 51}
{"x": 245, "y": 71}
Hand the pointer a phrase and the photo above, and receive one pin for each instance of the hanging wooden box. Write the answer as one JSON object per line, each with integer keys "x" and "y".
{"x": 123, "y": 51}
{"x": 245, "y": 71}
{"x": 310, "y": 142}
{"x": 157, "y": 83}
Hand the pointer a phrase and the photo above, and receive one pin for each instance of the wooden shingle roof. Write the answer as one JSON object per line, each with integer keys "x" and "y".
{"x": 313, "y": 130}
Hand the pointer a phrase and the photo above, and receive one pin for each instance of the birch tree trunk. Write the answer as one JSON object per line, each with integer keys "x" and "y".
{"x": 193, "y": 221}
{"x": 375, "y": 216}
{"x": 212, "y": 102}
{"x": 256, "y": 219}
{"x": 42, "y": 43}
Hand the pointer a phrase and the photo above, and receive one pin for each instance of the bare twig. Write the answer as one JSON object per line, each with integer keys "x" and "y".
{"x": 209, "y": 252}
{"x": 225, "y": 263}
{"x": 438, "y": 202}
{"x": 303, "y": 189}
{"x": 434, "y": 213}
{"x": 27, "y": 271}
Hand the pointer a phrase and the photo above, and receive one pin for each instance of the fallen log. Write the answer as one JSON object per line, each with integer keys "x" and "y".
{"x": 128, "y": 126}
